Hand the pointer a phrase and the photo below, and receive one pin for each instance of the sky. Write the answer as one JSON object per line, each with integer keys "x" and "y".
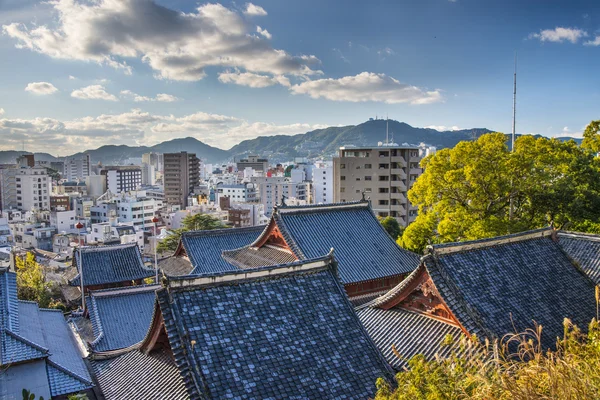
{"x": 77, "y": 74}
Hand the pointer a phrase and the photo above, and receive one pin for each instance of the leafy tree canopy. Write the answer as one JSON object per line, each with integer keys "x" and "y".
{"x": 465, "y": 192}
{"x": 31, "y": 283}
{"x": 391, "y": 225}
{"x": 197, "y": 222}
{"x": 591, "y": 137}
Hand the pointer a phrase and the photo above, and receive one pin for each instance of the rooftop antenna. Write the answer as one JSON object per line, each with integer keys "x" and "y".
{"x": 512, "y": 148}
{"x": 386, "y": 129}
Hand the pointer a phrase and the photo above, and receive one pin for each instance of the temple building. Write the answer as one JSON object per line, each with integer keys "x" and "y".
{"x": 274, "y": 332}
{"x": 488, "y": 288}
{"x": 110, "y": 267}
{"x": 38, "y": 352}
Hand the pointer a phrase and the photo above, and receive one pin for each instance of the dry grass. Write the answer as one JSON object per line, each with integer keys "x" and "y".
{"x": 515, "y": 367}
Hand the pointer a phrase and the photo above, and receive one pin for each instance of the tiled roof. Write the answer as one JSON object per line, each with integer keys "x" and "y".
{"x": 363, "y": 248}
{"x": 410, "y": 334}
{"x": 255, "y": 257}
{"x": 110, "y": 264}
{"x": 497, "y": 285}
{"x": 583, "y": 249}
{"x": 120, "y": 317}
{"x": 29, "y": 333}
{"x": 204, "y": 248}
{"x": 285, "y": 332}
{"x": 136, "y": 375}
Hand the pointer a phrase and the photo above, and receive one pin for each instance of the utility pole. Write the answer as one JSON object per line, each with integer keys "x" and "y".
{"x": 512, "y": 147}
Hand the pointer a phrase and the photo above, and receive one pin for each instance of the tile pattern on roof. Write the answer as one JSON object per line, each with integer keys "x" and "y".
{"x": 292, "y": 335}
{"x": 363, "y": 249}
{"x": 583, "y": 249}
{"x": 136, "y": 375}
{"x": 204, "y": 248}
{"x": 16, "y": 348}
{"x": 252, "y": 257}
{"x": 120, "y": 317}
{"x": 111, "y": 264}
{"x": 410, "y": 333}
{"x": 496, "y": 289}
{"x": 64, "y": 382}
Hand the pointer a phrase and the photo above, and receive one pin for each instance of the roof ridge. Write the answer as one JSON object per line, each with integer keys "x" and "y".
{"x": 124, "y": 291}
{"x": 90, "y": 249}
{"x": 235, "y": 277}
{"x": 396, "y": 290}
{"x": 98, "y": 321}
{"x": 455, "y": 247}
{"x": 285, "y": 209}
{"x": 579, "y": 235}
{"x": 27, "y": 341}
{"x": 221, "y": 231}
{"x": 289, "y": 239}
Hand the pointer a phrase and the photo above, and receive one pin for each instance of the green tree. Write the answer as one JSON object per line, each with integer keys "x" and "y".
{"x": 391, "y": 225}
{"x": 31, "y": 283}
{"x": 591, "y": 137}
{"x": 197, "y": 222}
{"x": 466, "y": 192}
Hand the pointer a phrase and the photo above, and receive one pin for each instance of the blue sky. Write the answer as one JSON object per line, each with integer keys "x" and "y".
{"x": 76, "y": 74}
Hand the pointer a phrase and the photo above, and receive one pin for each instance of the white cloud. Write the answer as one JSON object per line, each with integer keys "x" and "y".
{"x": 176, "y": 45}
{"x": 1, "y": 110}
{"x": 366, "y": 86}
{"x": 565, "y": 129}
{"x": 443, "y": 128}
{"x": 93, "y": 92}
{"x": 135, "y": 127}
{"x": 161, "y": 97}
{"x": 559, "y": 35}
{"x": 263, "y": 32}
{"x": 595, "y": 42}
{"x": 252, "y": 9}
{"x": 71, "y": 77}
{"x": 253, "y": 80}
{"x": 41, "y": 88}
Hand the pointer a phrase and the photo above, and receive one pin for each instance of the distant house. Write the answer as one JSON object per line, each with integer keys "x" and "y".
{"x": 110, "y": 267}
{"x": 488, "y": 288}
{"x": 38, "y": 351}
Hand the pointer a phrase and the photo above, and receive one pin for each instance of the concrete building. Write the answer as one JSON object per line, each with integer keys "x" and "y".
{"x": 384, "y": 174}
{"x": 181, "y": 175}
{"x": 154, "y": 159}
{"x": 323, "y": 182}
{"x": 64, "y": 221}
{"x": 39, "y": 238}
{"x": 148, "y": 174}
{"x": 70, "y": 187}
{"x": 25, "y": 188}
{"x": 240, "y": 193}
{"x": 134, "y": 208}
{"x": 6, "y": 237}
{"x": 96, "y": 185}
{"x": 272, "y": 190}
{"x": 254, "y": 162}
{"x": 247, "y": 214}
{"x": 109, "y": 233}
{"x": 122, "y": 178}
{"x": 82, "y": 207}
{"x": 60, "y": 202}
{"x": 77, "y": 168}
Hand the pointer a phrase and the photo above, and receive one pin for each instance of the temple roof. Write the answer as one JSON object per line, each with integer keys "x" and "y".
{"x": 496, "y": 286}
{"x": 284, "y": 332}
{"x": 136, "y": 375}
{"x": 204, "y": 248}
{"x": 110, "y": 264}
{"x": 363, "y": 248}
{"x": 120, "y": 317}
{"x": 408, "y": 332}
{"x": 28, "y": 333}
{"x": 584, "y": 249}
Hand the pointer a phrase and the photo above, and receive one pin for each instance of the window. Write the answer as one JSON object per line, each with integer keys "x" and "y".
{"x": 383, "y": 214}
{"x": 367, "y": 190}
{"x": 384, "y": 202}
{"x": 384, "y": 178}
{"x": 342, "y": 190}
{"x": 367, "y": 178}
{"x": 342, "y": 166}
{"x": 342, "y": 178}
{"x": 358, "y": 179}
{"x": 384, "y": 154}
{"x": 384, "y": 190}
{"x": 367, "y": 166}
{"x": 384, "y": 166}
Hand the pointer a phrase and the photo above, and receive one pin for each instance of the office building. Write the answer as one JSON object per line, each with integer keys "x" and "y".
{"x": 181, "y": 175}
{"x": 25, "y": 188}
{"x": 77, "y": 168}
{"x": 122, "y": 178}
{"x": 257, "y": 164}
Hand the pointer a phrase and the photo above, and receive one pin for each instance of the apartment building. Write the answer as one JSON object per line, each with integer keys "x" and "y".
{"x": 181, "y": 175}
{"x": 122, "y": 178}
{"x": 323, "y": 182}
{"x": 148, "y": 174}
{"x": 254, "y": 162}
{"x": 77, "y": 168}
{"x": 154, "y": 159}
{"x": 383, "y": 173}
{"x": 272, "y": 190}
{"x": 24, "y": 188}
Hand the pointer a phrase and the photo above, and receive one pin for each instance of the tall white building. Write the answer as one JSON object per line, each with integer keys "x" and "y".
{"x": 133, "y": 208}
{"x": 122, "y": 178}
{"x": 64, "y": 221}
{"x": 148, "y": 174}
{"x": 272, "y": 190}
{"x": 25, "y": 188}
{"x": 77, "y": 168}
{"x": 323, "y": 182}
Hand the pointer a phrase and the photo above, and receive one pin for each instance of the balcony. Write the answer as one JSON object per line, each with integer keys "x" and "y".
{"x": 400, "y": 185}
{"x": 398, "y": 171}
{"x": 398, "y": 196}
{"x": 398, "y": 159}
{"x": 415, "y": 171}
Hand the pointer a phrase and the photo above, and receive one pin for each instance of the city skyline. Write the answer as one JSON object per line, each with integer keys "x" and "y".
{"x": 143, "y": 72}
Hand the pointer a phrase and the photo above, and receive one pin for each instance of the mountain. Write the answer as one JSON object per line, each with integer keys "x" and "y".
{"x": 10, "y": 156}
{"x": 327, "y": 141}
{"x": 112, "y": 154}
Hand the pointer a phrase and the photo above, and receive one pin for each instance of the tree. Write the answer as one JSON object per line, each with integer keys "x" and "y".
{"x": 391, "y": 225}
{"x": 197, "y": 222}
{"x": 31, "y": 283}
{"x": 467, "y": 192}
{"x": 591, "y": 137}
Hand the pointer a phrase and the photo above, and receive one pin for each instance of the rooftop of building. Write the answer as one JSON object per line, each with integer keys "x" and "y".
{"x": 584, "y": 249}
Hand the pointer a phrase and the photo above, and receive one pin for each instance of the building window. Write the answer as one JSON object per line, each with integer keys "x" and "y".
{"x": 367, "y": 190}
{"x": 367, "y": 178}
{"x": 342, "y": 166}
{"x": 384, "y": 178}
{"x": 342, "y": 190}
{"x": 384, "y": 202}
{"x": 384, "y": 190}
{"x": 383, "y": 214}
{"x": 368, "y": 166}
{"x": 384, "y": 166}
{"x": 342, "y": 178}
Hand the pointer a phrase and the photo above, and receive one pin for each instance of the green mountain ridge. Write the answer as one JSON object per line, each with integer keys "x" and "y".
{"x": 278, "y": 148}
